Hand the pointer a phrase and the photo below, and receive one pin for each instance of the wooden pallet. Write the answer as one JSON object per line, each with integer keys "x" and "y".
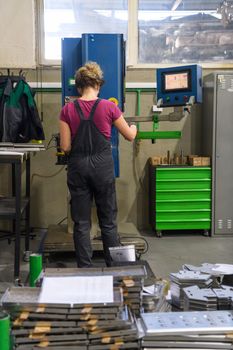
{"x": 59, "y": 240}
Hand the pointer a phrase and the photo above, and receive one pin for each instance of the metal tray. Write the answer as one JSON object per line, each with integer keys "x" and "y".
{"x": 200, "y": 322}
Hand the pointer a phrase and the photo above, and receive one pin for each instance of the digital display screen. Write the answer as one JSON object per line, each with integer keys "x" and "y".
{"x": 177, "y": 81}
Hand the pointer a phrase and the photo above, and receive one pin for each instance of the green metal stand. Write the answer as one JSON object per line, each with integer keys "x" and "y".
{"x": 152, "y": 135}
{"x": 155, "y": 134}
{"x": 4, "y": 331}
{"x": 35, "y": 268}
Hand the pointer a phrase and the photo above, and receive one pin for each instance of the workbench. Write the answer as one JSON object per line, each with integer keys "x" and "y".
{"x": 16, "y": 206}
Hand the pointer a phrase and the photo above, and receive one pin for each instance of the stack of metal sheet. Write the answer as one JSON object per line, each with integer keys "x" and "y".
{"x": 208, "y": 299}
{"x": 184, "y": 279}
{"x": 188, "y": 330}
{"x": 205, "y": 267}
{"x": 155, "y": 304}
{"x": 221, "y": 273}
{"x": 154, "y": 298}
{"x": 60, "y": 326}
{"x": 196, "y": 298}
{"x": 224, "y": 296}
{"x": 129, "y": 278}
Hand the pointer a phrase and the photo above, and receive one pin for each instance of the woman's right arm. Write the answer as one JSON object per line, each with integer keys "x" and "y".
{"x": 65, "y": 136}
{"x": 129, "y": 132}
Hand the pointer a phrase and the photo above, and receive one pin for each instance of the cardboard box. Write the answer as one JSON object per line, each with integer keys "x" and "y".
{"x": 205, "y": 161}
{"x": 199, "y": 161}
{"x": 195, "y": 161}
{"x": 155, "y": 160}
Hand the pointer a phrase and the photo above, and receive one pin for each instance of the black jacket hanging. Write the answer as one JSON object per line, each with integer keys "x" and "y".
{"x": 19, "y": 118}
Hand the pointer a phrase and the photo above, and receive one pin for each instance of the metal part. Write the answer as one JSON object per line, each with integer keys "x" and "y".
{"x": 184, "y": 279}
{"x": 138, "y": 119}
{"x": 196, "y": 298}
{"x": 152, "y": 135}
{"x": 129, "y": 278}
{"x": 178, "y": 113}
{"x": 19, "y": 297}
{"x": 199, "y": 322}
{"x": 205, "y": 268}
{"x": 138, "y": 272}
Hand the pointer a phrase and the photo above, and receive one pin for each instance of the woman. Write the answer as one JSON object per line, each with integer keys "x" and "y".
{"x": 85, "y": 131}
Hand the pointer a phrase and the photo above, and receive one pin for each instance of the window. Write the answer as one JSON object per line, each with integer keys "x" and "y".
{"x": 159, "y": 31}
{"x": 71, "y": 18}
{"x": 185, "y": 31}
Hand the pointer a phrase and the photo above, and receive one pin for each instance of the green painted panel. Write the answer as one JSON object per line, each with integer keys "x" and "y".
{"x": 183, "y": 226}
{"x": 183, "y": 215}
{"x": 184, "y": 195}
{"x": 185, "y": 173}
{"x": 183, "y": 205}
{"x": 181, "y": 184}
{"x": 151, "y": 135}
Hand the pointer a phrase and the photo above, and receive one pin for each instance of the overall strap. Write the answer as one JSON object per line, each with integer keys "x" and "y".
{"x": 91, "y": 116}
{"x": 80, "y": 112}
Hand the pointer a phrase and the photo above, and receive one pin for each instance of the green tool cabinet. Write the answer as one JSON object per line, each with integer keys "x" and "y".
{"x": 180, "y": 198}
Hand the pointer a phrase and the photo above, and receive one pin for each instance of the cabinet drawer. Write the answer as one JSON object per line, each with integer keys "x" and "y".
{"x": 183, "y": 184}
{"x": 199, "y": 225}
{"x": 177, "y": 216}
{"x": 183, "y": 205}
{"x": 183, "y": 195}
{"x": 183, "y": 173}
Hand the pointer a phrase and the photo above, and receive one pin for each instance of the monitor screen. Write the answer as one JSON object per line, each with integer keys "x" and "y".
{"x": 177, "y": 81}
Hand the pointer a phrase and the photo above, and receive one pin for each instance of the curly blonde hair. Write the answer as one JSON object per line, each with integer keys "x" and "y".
{"x": 90, "y": 75}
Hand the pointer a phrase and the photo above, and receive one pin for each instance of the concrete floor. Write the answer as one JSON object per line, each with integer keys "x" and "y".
{"x": 169, "y": 253}
{"x": 165, "y": 255}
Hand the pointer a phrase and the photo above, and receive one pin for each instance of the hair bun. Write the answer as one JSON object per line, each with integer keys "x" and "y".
{"x": 89, "y": 75}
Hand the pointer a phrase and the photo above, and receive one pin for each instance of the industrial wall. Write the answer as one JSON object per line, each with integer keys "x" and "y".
{"x": 18, "y": 41}
{"x": 48, "y": 181}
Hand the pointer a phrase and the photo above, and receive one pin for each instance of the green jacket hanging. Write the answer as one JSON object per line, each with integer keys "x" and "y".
{"x": 19, "y": 118}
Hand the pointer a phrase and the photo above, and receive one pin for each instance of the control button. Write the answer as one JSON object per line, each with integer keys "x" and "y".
{"x": 114, "y": 100}
{"x": 168, "y": 98}
{"x": 176, "y": 98}
{"x": 185, "y": 98}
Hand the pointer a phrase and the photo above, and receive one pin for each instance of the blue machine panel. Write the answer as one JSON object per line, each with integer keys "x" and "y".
{"x": 109, "y": 52}
{"x": 71, "y": 61}
{"x": 175, "y": 85}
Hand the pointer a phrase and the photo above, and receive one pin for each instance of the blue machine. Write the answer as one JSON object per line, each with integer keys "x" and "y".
{"x": 177, "y": 85}
{"x": 108, "y": 51}
{"x": 71, "y": 61}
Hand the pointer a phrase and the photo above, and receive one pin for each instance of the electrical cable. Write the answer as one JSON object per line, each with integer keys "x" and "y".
{"x": 47, "y": 176}
{"x": 50, "y": 147}
{"x": 143, "y": 239}
{"x": 52, "y": 138}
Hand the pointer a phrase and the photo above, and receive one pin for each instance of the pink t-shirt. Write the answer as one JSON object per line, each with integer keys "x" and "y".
{"x": 105, "y": 114}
